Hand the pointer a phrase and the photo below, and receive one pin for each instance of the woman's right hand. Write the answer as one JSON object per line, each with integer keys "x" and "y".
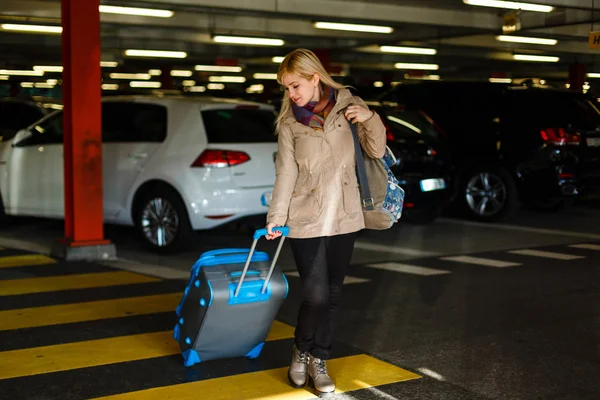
{"x": 270, "y": 233}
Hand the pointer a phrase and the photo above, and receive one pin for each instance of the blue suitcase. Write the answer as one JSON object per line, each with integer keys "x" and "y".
{"x": 230, "y": 303}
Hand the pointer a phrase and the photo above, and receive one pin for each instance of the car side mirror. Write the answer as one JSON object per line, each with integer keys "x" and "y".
{"x": 20, "y": 136}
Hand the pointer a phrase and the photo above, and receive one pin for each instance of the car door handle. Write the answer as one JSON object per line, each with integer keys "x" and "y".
{"x": 138, "y": 156}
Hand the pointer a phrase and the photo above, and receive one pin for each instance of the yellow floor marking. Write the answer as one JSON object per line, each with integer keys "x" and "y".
{"x": 88, "y": 311}
{"x": 69, "y": 282}
{"x": 350, "y": 374}
{"x": 64, "y": 357}
{"x": 25, "y": 261}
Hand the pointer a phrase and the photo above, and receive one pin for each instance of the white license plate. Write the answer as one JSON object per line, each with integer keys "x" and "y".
{"x": 266, "y": 199}
{"x": 429, "y": 185}
{"x": 593, "y": 142}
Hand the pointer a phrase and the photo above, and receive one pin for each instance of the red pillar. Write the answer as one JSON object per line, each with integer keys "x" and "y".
{"x": 82, "y": 124}
{"x": 576, "y": 77}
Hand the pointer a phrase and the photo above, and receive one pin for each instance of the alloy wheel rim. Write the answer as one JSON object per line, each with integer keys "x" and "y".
{"x": 486, "y": 194}
{"x": 160, "y": 222}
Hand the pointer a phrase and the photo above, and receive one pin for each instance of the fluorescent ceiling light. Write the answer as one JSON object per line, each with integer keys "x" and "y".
{"x": 593, "y": 75}
{"x": 227, "y": 79}
{"x": 407, "y": 50}
{"x": 260, "y": 75}
{"x": 27, "y": 84}
{"x": 155, "y": 72}
{"x": 4, "y": 77}
{"x": 119, "y": 75}
{"x": 52, "y": 81}
{"x": 198, "y": 89}
{"x": 188, "y": 83}
{"x": 110, "y": 86}
{"x": 32, "y": 28}
{"x": 215, "y": 86}
{"x": 529, "y": 40}
{"x": 431, "y": 67}
{"x": 48, "y": 68}
{"x": 109, "y": 64}
{"x": 500, "y": 80}
{"x": 218, "y": 68}
{"x": 255, "y": 88}
{"x": 527, "y": 57}
{"x": 144, "y": 12}
{"x": 249, "y": 40}
{"x": 278, "y": 60}
{"x": 513, "y": 5}
{"x": 144, "y": 84}
{"x": 353, "y": 27}
{"x": 181, "y": 73}
{"x": 20, "y": 72}
{"x": 155, "y": 53}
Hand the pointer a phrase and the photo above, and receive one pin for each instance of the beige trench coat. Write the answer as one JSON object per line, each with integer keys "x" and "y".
{"x": 316, "y": 189}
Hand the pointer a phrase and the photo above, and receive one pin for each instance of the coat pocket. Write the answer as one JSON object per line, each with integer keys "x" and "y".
{"x": 350, "y": 193}
{"x": 306, "y": 204}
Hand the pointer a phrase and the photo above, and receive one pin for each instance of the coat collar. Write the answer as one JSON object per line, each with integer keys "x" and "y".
{"x": 343, "y": 98}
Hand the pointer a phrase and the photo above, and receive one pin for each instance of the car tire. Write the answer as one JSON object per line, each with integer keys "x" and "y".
{"x": 488, "y": 194}
{"x": 162, "y": 221}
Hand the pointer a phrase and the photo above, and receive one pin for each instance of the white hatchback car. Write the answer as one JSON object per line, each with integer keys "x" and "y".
{"x": 171, "y": 165}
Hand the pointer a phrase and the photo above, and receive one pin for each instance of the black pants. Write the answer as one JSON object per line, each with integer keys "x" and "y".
{"x": 322, "y": 264}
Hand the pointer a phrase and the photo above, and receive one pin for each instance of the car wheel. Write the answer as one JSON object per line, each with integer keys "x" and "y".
{"x": 489, "y": 194}
{"x": 162, "y": 220}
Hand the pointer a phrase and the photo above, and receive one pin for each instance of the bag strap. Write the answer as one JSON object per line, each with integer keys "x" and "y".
{"x": 363, "y": 180}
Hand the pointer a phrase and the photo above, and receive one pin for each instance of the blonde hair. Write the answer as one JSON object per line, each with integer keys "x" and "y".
{"x": 304, "y": 63}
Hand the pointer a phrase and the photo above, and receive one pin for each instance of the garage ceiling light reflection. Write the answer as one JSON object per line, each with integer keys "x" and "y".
{"x": 416, "y": 66}
{"x": 528, "y": 57}
{"x": 408, "y": 50}
{"x": 155, "y": 53}
{"x": 248, "y": 40}
{"x": 218, "y": 68}
{"x": 353, "y": 27}
{"x": 144, "y": 84}
{"x": 119, "y": 75}
{"x": 513, "y": 5}
{"x": 227, "y": 79}
{"x": 528, "y": 40}
{"x": 32, "y": 28}
{"x": 144, "y": 12}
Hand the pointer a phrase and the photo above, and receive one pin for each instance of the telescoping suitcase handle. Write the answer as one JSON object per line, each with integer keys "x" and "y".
{"x": 257, "y": 235}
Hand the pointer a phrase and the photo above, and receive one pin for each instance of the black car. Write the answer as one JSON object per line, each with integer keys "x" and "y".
{"x": 511, "y": 144}
{"x": 422, "y": 166}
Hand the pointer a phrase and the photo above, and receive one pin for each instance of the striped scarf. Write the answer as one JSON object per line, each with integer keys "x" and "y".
{"x": 315, "y": 113}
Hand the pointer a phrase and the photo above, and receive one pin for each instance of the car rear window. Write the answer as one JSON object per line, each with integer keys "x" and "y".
{"x": 239, "y": 125}
{"x": 553, "y": 109}
{"x": 409, "y": 123}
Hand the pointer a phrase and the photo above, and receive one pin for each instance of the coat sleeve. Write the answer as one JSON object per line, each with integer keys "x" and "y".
{"x": 286, "y": 173}
{"x": 371, "y": 133}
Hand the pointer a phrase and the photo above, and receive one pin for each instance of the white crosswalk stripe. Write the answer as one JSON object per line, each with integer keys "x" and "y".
{"x": 586, "y": 246}
{"x": 545, "y": 254}
{"x": 408, "y": 269}
{"x": 348, "y": 281}
{"x": 486, "y": 262}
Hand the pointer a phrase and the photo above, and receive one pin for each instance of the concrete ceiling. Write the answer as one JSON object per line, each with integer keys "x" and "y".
{"x": 463, "y": 35}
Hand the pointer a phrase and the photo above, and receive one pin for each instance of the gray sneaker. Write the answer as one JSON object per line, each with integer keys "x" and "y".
{"x": 298, "y": 372}
{"x": 318, "y": 377}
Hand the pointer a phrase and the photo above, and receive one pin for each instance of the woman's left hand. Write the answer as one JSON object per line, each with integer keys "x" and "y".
{"x": 356, "y": 114}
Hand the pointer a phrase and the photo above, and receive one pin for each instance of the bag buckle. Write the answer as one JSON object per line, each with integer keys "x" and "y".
{"x": 368, "y": 203}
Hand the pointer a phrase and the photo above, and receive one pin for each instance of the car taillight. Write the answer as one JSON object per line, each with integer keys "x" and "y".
{"x": 560, "y": 137}
{"x": 220, "y": 158}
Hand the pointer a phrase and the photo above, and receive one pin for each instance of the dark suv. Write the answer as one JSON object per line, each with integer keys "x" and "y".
{"x": 511, "y": 143}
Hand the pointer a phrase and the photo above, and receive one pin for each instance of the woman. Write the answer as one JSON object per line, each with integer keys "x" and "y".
{"x": 316, "y": 195}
